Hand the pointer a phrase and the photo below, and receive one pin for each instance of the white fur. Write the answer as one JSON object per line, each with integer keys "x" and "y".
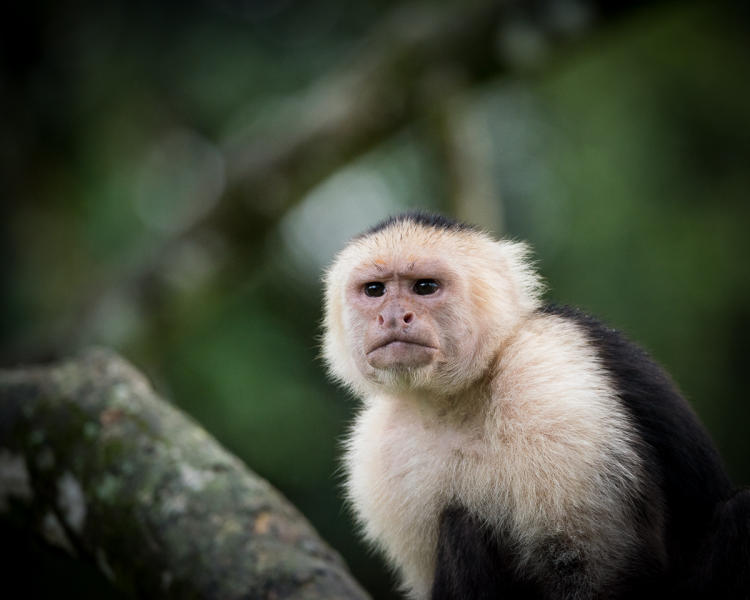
{"x": 498, "y": 288}
{"x": 534, "y": 442}
{"x": 537, "y": 457}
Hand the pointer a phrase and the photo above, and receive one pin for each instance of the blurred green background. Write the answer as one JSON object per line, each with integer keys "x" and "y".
{"x": 128, "y": 218}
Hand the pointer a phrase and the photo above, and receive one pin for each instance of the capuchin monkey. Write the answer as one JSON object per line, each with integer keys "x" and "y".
{"x": 507, "y": 449}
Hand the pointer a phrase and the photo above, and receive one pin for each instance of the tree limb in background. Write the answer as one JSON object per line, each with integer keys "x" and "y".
{"x": 416, "y": 58}
{"x": 460, "y": 136}
{"x": 98, "y": 464}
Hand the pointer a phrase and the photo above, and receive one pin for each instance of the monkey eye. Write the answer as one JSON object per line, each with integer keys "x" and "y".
{"x": 425, "y": 287}
{"x": 374, "y": 289}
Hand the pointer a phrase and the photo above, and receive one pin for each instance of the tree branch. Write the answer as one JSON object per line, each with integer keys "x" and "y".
{"x": 95, "y": 461}
{"x": 412, "y": 62}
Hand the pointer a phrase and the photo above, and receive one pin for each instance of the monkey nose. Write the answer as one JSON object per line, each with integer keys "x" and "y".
{"x": 395, "y": 318}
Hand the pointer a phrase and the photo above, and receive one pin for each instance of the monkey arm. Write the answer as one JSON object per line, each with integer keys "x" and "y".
{"x": 473, "y": 563}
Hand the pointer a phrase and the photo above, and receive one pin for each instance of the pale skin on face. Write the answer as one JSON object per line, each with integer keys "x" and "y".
{"x": 397, "y": 302}
{"x": 486, "y": 288}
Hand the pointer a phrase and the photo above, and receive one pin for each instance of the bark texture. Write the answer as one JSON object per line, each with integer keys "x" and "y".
{"x": 93, "y": 460}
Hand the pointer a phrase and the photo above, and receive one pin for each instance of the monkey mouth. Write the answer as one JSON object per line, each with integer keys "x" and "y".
{"x": 399, "y": 342}
{"x": 399, "y": 352}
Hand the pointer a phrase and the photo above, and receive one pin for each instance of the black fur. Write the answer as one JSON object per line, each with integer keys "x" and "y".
{"x": 706, "y": 525}
{"x": 423, "y": 218}
{"x": 723, "y": 566}
{"x": 676, "y": 449}
{"x": 473, "y": 563}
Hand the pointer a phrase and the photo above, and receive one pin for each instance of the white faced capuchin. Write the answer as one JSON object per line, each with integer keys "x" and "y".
{"x": 507, "y": 449}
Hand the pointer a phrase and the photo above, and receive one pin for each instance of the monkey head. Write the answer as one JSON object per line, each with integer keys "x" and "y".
{"x": 417, "y": 305}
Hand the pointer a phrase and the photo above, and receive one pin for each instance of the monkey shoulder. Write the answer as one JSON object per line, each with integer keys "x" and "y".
{"x": 564, "y": 439}
{"x": 549, "y": 379}
{"x": 679, "y": 463}
{"x": 668, "y": 434}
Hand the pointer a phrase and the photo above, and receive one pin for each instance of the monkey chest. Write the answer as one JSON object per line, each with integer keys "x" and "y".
{"x": 406, "y": 470}
{"x": 402, "y": 474}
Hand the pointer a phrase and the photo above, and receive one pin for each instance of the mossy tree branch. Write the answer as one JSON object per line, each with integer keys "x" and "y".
{"x": 96, "y": 462}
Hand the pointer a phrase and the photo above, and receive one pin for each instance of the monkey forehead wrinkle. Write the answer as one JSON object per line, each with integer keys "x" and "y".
{"x": 382, "y": 269}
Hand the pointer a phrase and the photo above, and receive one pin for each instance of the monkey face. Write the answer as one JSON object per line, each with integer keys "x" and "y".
{"x": 408, "y": 319}
{"x": 422, "y": 308}
{"x": 398, "y": 307}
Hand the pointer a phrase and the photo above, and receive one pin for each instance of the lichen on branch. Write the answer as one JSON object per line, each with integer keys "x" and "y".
{"x": 101, "y": 466}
